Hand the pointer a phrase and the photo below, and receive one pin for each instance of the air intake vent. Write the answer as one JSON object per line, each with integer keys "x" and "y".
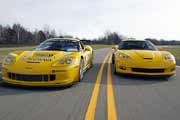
{"x": 147, "y": 58}
{"x": 31, "y": 78}
{"x": 144, "y": 70}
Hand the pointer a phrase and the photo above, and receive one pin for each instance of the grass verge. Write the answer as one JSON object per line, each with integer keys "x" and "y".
{"x": 174, "y": 50}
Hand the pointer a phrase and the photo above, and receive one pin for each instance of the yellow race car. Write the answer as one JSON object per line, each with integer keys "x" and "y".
{"x": 142, "y": 58}
{"x": 55, "y": 62}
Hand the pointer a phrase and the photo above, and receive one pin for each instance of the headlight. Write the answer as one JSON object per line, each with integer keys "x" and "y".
{"x": 62, "y": 61}
{"x": 124, "y": 56}
{"x": 8, "y": 60}
{"x": 69, "y": 60}
{"x": 66, "y": 60}
{"x": 168, "y": 57}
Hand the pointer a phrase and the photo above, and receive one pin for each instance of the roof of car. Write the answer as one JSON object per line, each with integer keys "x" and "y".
{"x": 58, "y": 39}
{"x": 133, "y": 40}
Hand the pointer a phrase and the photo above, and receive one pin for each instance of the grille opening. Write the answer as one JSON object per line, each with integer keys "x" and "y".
{"x": 9, "y": 75}
{"x": 52, "y": 77}
{"x": 147, "y": 58}
{"x": 173, "y": 69}
{"x": 31, "y": 78}
{"x": 32, "y": 62}
{"x": 144, "y": 70}
{"x": 45, "y": 77}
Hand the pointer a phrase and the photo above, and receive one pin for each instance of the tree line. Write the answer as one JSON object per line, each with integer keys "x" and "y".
{"x": 108, "y": 38}
{"x": 17, "y": 34}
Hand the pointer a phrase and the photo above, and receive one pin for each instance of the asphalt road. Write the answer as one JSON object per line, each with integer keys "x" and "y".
{"x": 134, "y": 98}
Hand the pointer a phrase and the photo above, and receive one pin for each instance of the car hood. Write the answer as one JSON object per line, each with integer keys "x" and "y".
{"x": 146, "y": 54}
{"x": 37, "y": 61}
{"x": 42, "y": 56}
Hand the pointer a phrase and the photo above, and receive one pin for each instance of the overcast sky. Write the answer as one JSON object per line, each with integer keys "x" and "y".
{"x": 91, "y": 18}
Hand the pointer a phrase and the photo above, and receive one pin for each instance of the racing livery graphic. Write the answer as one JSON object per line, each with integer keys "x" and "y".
{"x": 55, "y": 62}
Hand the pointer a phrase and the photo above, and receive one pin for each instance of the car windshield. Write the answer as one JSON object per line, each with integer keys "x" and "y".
{"x": 136, "y": 45}
{"x": 59, "y": 45}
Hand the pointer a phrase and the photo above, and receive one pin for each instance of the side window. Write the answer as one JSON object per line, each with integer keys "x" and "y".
{"x": 81, "y": 46}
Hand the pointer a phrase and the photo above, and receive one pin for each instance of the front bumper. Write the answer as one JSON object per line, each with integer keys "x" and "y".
{"x": 63, "y": 77}
{"x": 145, "y": 69}
{"x": 22, "y": 83}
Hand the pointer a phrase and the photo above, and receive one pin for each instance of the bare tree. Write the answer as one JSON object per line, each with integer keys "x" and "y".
{"x": 46, "y": 30}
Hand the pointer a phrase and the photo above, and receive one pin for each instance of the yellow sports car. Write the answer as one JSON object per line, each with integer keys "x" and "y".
{"x": 55, "y": 62}
{"x": 142, "y": 58}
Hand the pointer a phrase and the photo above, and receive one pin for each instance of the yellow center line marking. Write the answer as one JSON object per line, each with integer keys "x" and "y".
{"x": 90, "y": 114}
{"x": 111, "y": 108}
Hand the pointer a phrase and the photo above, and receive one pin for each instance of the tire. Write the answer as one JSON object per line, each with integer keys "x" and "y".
{"x": 167, "y": 77}
{"x": 115, "y": 72}
{"x": 81, "y": 71}
{"x": 92, "y": 60}
{"x": 113, "y": 59}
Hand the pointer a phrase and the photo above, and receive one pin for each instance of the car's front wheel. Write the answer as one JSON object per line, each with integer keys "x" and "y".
{"x": 115, "y": 71}
{"x": 113, "y": 58}
{"x": 91, "y": 64}
{"x": 81, "y": 71}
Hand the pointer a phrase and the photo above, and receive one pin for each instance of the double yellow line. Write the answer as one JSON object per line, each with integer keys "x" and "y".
{"x": 111, "y": 109}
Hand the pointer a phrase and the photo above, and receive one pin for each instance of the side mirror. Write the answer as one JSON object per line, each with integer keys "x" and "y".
{"x": 87, "y": 48}
{"x": 160, "y": 48}
{"x": 114, "y": 47}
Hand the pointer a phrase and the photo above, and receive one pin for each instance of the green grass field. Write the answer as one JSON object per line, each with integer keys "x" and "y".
{"x": 174, "y": 50}
{"x": 4, "y": 50}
